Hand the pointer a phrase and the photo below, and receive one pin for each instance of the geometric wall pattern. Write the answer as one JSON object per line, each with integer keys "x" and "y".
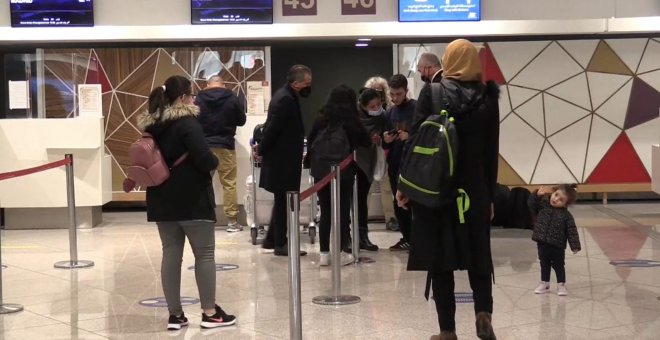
{"x": 583, "y": 111}
{"x": 127, "y": 76}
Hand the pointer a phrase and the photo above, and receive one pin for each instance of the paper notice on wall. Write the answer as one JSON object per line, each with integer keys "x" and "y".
{"x": 18, "y": 95}
{"x": 411, "y": 87}
{"x": 258, "y": 97}
{"x": 90, "y": 102}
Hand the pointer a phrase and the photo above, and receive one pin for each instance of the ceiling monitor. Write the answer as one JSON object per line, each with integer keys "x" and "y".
{"x": 231, "y": 12}
{"x": 439, "y": 10}
{"x": 42, "y": 13}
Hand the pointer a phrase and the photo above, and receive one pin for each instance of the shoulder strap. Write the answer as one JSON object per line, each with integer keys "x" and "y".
{"x": 439, "y": 97}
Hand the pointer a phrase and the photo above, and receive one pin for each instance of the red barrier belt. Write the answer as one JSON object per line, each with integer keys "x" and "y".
{"x": 323, "y": 182}
{"x": 24, "y": 172}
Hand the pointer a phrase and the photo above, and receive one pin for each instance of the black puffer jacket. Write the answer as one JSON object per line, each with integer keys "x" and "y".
{"x": 366, "y": 155}
{"x": 553, "y": 226}
{"x": 188, "y": 194}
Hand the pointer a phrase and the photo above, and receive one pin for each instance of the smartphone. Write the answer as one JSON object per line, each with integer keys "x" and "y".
{"x": 393, "y": 132}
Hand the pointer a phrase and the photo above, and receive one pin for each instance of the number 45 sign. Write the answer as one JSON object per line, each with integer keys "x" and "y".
{"x": 298, "y": 7}
{"x": 358, "y": 7}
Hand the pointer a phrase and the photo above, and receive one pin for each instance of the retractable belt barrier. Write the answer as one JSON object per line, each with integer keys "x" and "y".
{"x": 71, "y": 204}
{"x": 326, "y": 180}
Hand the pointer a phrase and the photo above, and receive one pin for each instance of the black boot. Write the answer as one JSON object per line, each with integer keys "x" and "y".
{"x": 365, "y": 243}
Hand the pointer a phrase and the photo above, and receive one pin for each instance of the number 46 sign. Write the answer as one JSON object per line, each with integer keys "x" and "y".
{"x": 358, "y": 7}
{"x": 298, "y": 7}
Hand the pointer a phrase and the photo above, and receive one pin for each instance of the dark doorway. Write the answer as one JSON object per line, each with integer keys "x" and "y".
{"x": 330, "y": 66}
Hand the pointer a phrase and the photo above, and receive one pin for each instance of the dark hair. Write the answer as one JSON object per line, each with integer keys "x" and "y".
{"x": 398, "y": 81}
{"x": 165, "y": 95}
{"x": 367, "y": 95}
{"x": 570, "y": 190}
{"x": 341, "y": 105}
{"x": 297, "y": 73}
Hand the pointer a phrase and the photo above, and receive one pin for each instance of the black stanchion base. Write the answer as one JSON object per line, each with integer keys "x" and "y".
{"x": 7, "y": 308}
{"x": 74, "y": 264}
{"x": 340, "y": 300}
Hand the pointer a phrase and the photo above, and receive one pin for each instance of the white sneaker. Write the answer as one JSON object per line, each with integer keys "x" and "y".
{"x": 544, "y": 287}
{"x": 561, "y": 289}
{"x": 347, "y": 259}
{"x": 324, "y": 259}
{"x": 234, "y": 226}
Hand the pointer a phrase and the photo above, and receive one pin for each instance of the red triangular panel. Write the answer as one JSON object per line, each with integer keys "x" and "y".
{"x": 489, "y": 67}
{"x": 96, "y": 75}
{"x": 621, "y": 164}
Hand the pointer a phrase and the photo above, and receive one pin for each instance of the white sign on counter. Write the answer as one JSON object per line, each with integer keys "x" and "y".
{"x": 258, "y": 97}
{"x": 18, "y": 95}
{"x": 90, "y": 103}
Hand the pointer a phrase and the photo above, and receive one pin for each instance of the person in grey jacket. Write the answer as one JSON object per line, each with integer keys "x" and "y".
{"x": 554, "y": 226}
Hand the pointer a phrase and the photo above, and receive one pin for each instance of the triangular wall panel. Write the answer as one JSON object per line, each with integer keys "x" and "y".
{"x": 604, "y": 85}
{"x": 490, "y": 68}
{"x": 580, "y": 50}
{"x": 520, "y": 95}
{"x": 520, "y": 145}
{"x": 621, "y": 164}
{"x": 96, "y": 75}
{"x": 506, "y": 175}
{"x": 571, "y": 145}
{"x": 605, "y": 60}
{"x": 505, "y": 102}
{"x": 643, "y": 105}
{"x": 651, "y": 59}
{"x": 629, "y": 50}
{"x": 532, "y": 113}
{"x": 550, "y": 169}
{"x": 614, "y": 109}
{"x": 574, "y": 90}
{"x": 536, "y": 75}
{"x": 560, "y": 114}
{"x": 513, "y": 56}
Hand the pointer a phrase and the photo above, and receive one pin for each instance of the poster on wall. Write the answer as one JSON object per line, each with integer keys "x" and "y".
{"x": 18, "y": 95}
{"x": 439, "y": 10}
{"x": 358, "y": 7}
{"x": 258, "y": 97}
{"x": 298, "y": 7}
{"x": 90, "y": 102}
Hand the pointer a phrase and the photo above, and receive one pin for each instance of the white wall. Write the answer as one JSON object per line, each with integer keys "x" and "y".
{"x": 177, "y": 12}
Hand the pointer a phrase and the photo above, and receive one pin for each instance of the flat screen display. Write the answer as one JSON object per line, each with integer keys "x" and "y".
{"x": 439, "y": 10}
{"x": 232, "y": 12}
{"x": 36, "y": 13}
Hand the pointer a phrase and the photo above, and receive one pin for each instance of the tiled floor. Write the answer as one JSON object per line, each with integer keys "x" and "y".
{"x": 605, "y": 302}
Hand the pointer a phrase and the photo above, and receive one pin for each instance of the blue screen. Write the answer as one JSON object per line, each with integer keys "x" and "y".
{"x": 36, "y": 13}
{"x": 232, "y": 11}
{"x": 439, "y": 10}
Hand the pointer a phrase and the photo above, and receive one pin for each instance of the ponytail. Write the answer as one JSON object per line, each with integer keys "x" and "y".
{"x": 165, "y": 95}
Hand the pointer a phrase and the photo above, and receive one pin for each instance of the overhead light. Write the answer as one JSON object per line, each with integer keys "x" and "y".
{"x": 361, "y": 45}
{"x": 364, "y": 39}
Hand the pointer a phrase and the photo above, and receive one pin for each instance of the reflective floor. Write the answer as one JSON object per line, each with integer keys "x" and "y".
{"x": 604, "y": 301}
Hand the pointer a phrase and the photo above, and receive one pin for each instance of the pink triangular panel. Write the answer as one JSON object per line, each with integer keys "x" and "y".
{"x": 490, "y": 68}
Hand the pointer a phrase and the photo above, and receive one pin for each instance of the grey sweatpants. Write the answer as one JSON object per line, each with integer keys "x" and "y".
{"x": 201, "y": 235}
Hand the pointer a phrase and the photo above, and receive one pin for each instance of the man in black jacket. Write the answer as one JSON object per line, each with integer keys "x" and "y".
{"x": 430, "y": 69}
{"x": 282, "y": 151}
{"x": 220, "y": 112}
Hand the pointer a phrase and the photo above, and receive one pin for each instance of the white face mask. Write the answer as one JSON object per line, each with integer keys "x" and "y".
{"x": 376, "y": 113}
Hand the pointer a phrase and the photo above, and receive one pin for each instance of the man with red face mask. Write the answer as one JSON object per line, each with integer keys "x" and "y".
{"x": 281, "y": 150}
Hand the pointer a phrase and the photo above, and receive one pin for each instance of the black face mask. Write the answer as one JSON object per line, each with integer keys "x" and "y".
{"x": 305, "y": 91}
{"x": 426, "y": 79}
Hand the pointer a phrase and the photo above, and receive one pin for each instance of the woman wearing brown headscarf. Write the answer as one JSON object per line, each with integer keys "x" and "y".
{"x": 439, "y": 244}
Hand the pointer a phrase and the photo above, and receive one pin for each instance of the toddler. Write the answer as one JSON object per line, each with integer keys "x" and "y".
{"x": 554, "y": 226}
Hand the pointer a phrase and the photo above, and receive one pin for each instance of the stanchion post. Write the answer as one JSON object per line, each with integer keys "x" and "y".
{"x": 336, "y": 298}
{"x": 355, "y": 225}
{"x": 6, "y": 308}
{"x": 73, "y": 224}
{"x": 295, "y": 309}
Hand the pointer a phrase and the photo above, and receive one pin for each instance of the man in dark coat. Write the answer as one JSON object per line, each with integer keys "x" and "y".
{"x": 282, "y": 151}
{"x": 220, "y": 112}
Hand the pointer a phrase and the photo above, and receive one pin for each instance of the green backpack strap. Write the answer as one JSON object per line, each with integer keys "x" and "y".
{"x": 463, "y": 204}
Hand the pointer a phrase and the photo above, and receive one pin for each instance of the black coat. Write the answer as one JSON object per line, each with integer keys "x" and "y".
{"x": 553, "y": 226}
{"x": 220, "y": 112}
{"x": 366, "y": 155}
{"x": 441, "y": 243}
{"x": 188, "y": 193}
{"x": 282, "y": 144}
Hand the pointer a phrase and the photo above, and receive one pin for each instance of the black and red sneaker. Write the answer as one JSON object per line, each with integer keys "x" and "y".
{"x": 175, "y": 323}
{"x": 219, "y": 319}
